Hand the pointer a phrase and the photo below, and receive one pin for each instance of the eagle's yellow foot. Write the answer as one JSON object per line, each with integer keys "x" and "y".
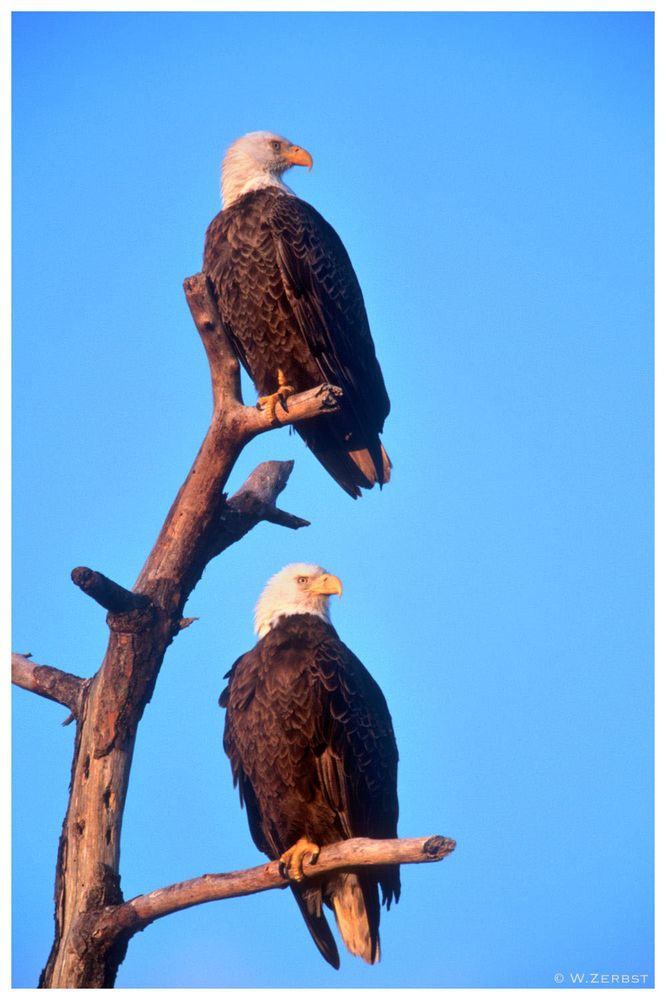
{"x": 280, "y": 396}
{"x": 292, "y": 861}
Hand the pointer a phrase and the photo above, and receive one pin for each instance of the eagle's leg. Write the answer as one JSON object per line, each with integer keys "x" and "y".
{"x": 292, "y": 861}
{"x": 280, "y": 396}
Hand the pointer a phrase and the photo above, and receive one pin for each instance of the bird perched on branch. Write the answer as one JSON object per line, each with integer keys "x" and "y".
{"x": 293, "y": 309}
{"x": 312, "y": 750}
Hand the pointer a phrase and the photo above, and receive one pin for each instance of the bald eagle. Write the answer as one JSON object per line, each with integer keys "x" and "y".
{"x": 293, "y": 309}
{"x": 312, "y": 750}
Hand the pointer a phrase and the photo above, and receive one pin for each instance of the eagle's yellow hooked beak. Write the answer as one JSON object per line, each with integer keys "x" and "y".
{"x": 299, "y": 156}
{"x": 326, "y": 584}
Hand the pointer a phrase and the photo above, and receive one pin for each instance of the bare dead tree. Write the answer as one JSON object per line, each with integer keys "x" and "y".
{"x": 93, "y": 924}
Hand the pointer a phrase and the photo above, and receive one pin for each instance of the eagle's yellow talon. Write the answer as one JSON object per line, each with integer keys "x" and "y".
{"x": 281, "y": 395}
{"x": 292, "y": 861}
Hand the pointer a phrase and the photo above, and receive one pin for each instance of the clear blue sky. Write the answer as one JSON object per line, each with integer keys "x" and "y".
{"x": 491, "y": 177}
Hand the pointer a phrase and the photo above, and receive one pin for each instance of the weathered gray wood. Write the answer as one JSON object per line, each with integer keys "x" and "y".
{"x": 49, "y": 682}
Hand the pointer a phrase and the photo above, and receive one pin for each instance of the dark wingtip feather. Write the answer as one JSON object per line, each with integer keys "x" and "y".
{"x": 317, "y": 924}
{"x": 372, "y": 908}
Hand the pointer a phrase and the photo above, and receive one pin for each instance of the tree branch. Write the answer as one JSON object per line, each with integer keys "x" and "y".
{"x": 110, "y": 595}
{"x": 224, "y": 367}
{"x": 324, "y": 398}
{"x": 137, "y": 913}
{"x": 255, "y": 502}
{"x": 49, "y": 682}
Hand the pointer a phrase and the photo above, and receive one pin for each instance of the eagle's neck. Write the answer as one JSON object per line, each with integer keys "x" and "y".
{"x": 266, "y": 618}
{"x": 241, "y": 174}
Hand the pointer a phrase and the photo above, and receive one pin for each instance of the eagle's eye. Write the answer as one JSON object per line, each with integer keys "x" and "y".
{"x": 302, "y": 579}
{"x": 276, "y": 145}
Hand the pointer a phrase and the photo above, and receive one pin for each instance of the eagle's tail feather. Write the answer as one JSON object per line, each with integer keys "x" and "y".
{"x": 356, "y": 459}
{"x": 309, "y": 903}
{"x": 356, "y": 470}
{"x": 356, "y": 905}
{"x": 374, "y": 464}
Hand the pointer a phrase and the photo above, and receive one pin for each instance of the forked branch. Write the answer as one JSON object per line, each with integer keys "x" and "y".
{"x": 255, "y": 502}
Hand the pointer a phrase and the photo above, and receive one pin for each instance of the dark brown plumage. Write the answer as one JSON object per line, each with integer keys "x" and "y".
{"x": 312, "y": 749}
{"x": 289, "y": 299}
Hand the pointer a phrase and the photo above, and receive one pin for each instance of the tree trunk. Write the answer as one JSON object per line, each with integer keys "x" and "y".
{"x": 142, "y": 623}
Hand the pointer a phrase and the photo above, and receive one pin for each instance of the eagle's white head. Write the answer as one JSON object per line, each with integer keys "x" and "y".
{"x": 298, "y": 589}
{"x": 258, "y": 160}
